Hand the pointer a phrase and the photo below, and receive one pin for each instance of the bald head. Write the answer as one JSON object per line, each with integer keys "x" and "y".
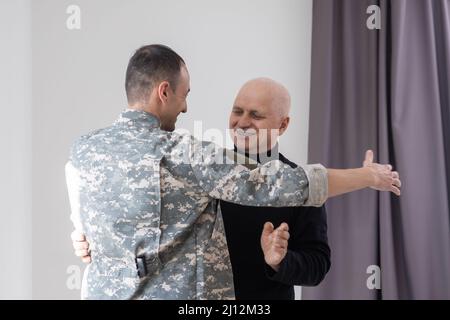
{"x": 261, "y": 103}
{"x": 268, "y": 92}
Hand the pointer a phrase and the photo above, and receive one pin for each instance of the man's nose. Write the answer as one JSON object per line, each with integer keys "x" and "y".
{"x": 244, "y": 122}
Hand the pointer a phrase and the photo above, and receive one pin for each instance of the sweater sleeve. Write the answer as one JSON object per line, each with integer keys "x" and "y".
{"x": 308, "y": 258}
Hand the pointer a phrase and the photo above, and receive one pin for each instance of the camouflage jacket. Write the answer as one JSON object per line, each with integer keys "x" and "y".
{"x": 138, "y": 192}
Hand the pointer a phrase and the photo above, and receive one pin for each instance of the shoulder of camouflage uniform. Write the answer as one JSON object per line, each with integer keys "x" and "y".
{"x": 239, "y": 158}
{"x": 79, "y": 144}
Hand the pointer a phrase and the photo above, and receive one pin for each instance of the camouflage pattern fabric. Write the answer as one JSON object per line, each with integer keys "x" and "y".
{"x": 138, "y": 191}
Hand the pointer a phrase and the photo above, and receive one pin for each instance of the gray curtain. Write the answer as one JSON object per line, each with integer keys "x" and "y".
{"x": 388, "y": 90}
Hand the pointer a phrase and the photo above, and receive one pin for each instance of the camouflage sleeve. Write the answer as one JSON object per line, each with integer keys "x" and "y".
{"x": 318, "y": 184}
{"x": 231, "y": 177}
{"x": 73, "y": 188}
{"x": 73, "y": 182}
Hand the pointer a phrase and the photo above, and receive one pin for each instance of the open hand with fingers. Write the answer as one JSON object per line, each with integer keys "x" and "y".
{"x": 383, "y": 178}
{"x": 274, "y": 243}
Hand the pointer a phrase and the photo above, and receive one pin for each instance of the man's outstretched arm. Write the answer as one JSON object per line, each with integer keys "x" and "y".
{"x": 277, "y": 184}
{"x": 373, "y": 175}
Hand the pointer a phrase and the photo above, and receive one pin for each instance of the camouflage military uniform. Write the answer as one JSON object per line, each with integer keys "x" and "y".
{"x": 138, "y": 192}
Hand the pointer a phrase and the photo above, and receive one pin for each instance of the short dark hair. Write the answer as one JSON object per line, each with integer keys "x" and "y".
{"x": 149, "y": 66}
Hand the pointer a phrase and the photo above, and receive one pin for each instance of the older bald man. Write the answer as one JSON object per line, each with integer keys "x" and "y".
{"x": 297, "y": 251}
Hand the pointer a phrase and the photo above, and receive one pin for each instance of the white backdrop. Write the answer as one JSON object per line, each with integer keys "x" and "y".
{"x": 15, "y": 142}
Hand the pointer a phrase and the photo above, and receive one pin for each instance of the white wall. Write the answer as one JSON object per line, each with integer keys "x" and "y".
{"x": 15, "y": 143}
{"x": 78, "y": 81}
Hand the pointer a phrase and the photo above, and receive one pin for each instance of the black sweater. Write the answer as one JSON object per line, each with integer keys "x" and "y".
{"x": 307, "y": 260}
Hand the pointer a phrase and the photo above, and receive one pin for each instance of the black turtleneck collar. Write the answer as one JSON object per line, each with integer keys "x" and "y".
{"x": 265, "y": 157}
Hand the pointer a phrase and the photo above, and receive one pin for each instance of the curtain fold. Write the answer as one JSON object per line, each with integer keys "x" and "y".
{"x": 387, "y": 90}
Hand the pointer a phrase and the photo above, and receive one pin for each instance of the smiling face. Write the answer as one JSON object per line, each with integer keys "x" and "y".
{"x": 174, "y": 101}
{"x": 259, "y": 115}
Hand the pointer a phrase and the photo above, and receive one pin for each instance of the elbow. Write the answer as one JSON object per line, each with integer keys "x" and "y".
{"x": 323, "y": 271}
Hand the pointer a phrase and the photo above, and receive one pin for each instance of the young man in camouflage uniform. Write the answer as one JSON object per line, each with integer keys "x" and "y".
{"x": 146, "y": 197}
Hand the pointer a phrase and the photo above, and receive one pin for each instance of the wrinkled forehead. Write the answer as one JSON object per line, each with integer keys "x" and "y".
{"x": 254, "y": 100}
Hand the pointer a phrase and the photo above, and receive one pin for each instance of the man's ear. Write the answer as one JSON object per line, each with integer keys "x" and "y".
{"x": 284, "y": 125}
{"x": 163, "y": 90}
